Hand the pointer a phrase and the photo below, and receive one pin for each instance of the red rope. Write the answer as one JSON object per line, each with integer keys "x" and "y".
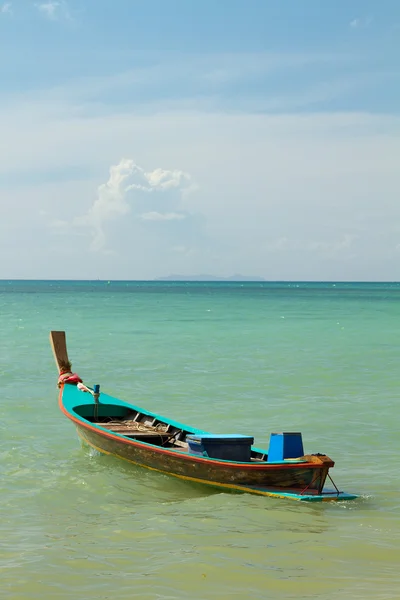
{"x": 314, "y": 479}
{"x": 67, "y": 377}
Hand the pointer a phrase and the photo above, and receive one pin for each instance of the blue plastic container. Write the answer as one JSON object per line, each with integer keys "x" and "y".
{"x": 285, "y": 445}
{"x": 225, "y": 446}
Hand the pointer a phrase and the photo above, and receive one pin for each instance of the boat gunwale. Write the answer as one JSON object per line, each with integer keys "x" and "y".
{"x": 78, "y": 420}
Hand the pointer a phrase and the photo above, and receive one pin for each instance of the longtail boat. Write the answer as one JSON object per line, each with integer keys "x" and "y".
{"x": 225, "y": 461}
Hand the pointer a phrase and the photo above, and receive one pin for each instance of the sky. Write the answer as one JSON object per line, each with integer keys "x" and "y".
{"x": 143, "y": 138}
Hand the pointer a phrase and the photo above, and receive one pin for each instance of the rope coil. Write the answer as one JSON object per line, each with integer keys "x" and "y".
{"x": 68, "y": 377}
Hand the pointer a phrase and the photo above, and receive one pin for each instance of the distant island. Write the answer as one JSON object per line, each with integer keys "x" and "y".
{"x": 209, "y": 278}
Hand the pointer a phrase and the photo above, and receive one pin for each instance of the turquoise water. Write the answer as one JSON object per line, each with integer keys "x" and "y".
{"x": 245, "y": 358}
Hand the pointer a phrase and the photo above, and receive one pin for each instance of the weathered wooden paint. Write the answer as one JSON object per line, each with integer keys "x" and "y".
{"x": 299, "y": 479}
{"x": 327, "y": 496}
{"x": 310, "y": 473}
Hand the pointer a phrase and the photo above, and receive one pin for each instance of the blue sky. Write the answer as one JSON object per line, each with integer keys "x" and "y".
{"x": 142, "y": 138}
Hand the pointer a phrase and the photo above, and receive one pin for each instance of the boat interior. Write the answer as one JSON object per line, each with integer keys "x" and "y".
{"x": 143, "y": 427}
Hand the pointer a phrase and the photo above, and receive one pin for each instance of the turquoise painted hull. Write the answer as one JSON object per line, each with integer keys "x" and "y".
{"x": 288, "y": 479}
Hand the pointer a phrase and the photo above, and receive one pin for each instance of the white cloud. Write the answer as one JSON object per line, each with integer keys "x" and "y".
{"x": 187, "y": 82}
{"x": 57, "y": 224}
{"x": 156, "y": 216}
{"x": 6, "y": 8}
{"x": 164, "y": 180}
{"x": 54, "y": 10}
{"x": 331, "y": 249}
{"x": 360, "y": 22}
{"x": 49, "y": 9}
{"x": 116, "y": 198}
{"x": 279, "y": 193}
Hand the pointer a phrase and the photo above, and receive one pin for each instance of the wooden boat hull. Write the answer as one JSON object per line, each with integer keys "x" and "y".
{"x": 302, "y": 475}
{"x": 171, "y": 463}
{"x": 146, "y": 439}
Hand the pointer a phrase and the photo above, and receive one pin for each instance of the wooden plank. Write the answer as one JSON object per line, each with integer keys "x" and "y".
{"x": 150, "y": 434}
{"x": 179, "y": 443}
{"x": 130, "y": 431}
{"x": 59, "y": 346}
{"x": 319, "y": 458}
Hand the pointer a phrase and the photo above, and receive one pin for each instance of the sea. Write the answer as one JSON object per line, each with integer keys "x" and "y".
{"x": 227, "y": 357}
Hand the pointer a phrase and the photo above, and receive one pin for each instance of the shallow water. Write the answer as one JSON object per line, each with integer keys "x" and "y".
{"x": 243, "y": 358}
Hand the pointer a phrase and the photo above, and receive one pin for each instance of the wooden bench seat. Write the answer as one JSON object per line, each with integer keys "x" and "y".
{"x": 133, "y": 433}
{"x": 125, "y": 430}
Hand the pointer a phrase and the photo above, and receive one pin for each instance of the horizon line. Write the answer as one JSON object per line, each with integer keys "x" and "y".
{"x": 214, "y": 280}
